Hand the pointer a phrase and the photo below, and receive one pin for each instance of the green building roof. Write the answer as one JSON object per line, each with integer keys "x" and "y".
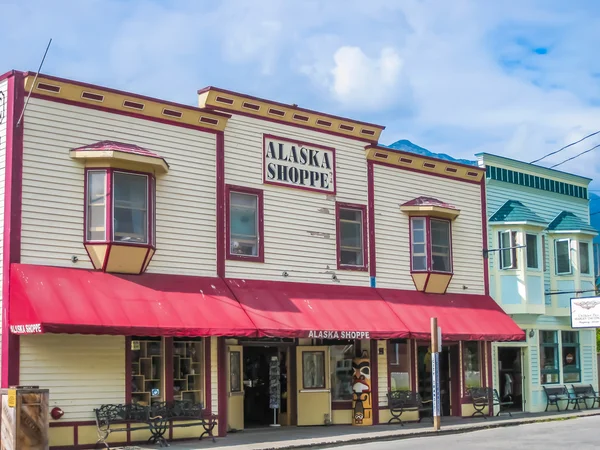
{"x": 515, "y": 211}
{"x": 567, "y": 221}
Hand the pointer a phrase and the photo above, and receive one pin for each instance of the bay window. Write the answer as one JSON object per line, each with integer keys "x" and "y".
{"x": 549, "y": 357}
{"x": 507, "y": 241}
{"x": 351, "y": 236}
{"x": 431, "y": 243}
{"x": 472, "y": 357}
{"x": 245, "y": 224}
{"x": 562, "y": 255}
{"x": 570, "y": 357}
{"x": 531, "y": 242}
{"x": 398, "y": 366}
{"x": 584, "y": 258}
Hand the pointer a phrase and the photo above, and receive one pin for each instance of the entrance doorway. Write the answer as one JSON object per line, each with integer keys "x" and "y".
{"x": 510, "y": 376}
{"x": 449, "y": 377}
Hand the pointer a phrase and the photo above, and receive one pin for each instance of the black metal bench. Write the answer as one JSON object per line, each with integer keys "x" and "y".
{"x": 156, "y": 418}
{"x": 501, "y": 403}
{"x": 555, "y": 394}
{"x": 481, "y": 397}
{"x": 584, "y": 393}
{"x": 401, "y": 401}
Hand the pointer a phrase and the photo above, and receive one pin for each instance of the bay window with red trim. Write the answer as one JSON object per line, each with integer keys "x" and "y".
{"x": 245, "y": 224}
{"x": 119, "y": 219}
{"x": 431, "y": 245}
{"x": 351, "y": 236}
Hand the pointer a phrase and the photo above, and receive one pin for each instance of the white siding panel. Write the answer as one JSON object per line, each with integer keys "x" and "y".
{"x": 394, "y": 187}
{"x": 3, "y": 118}
{"x": 299, "y": 226}
{"x": 81, "y": 372}
{"x": 53, "y": 187}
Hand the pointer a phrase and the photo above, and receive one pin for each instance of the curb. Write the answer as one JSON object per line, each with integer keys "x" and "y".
{"x": 458, "y": 429}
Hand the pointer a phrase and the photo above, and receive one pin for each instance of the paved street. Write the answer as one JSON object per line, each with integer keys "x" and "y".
{"x": 581, "y": 433}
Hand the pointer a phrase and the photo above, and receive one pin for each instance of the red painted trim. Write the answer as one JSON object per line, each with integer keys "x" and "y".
{"x": 222, "y": 374}
{"x": 126, "y": 113}
{"x": 371, "y": 206}
{"x": 430, "y": 158}
{"x": 297, "y": 108}
{"x": 486, "y": 268}
{"x": 168, "y": 367}
{"x": 128, "y": 369}
{"x": 433, "y": 174}
{"x": 293, "y": 125}
{"x": 207, "y": 376}
{"x": 76, "y": 435}
{"x": 116, "y": 91}
{"x": 302, "y": 143}
{"x": 12, "y": 221}
{"x": 220, "y": 194}
{"x": 338, "y": 237}
{"x": 8, "y": 74}
{"x": 374, "y": 382}
{"x": 260, "y": 258}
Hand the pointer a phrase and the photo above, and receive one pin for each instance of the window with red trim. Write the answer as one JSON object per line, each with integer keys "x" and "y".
{"x": 351, "y": 236}
{"x": 431, "y": 245}
{"x": 244, "y": 224}
{"x": 120, "y": 207}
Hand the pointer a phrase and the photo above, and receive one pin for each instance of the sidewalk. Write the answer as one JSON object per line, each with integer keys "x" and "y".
{"x": 305, "y": 437}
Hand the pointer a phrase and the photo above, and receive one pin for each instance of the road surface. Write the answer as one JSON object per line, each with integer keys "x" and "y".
{"x": 576, "y": 434}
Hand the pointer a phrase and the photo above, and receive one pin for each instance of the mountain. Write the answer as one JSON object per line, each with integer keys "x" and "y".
{"x": 407, "y": 146}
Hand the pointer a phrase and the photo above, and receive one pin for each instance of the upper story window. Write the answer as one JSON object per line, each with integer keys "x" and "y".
{"x": 351, "y": 236}
{"x": 126, "y": 216}
{"x": 562, "y": 255}
{"x": 245, "y": 224}
{"x": 531, "y": 242}
{"x": 507, "y": 241}
{"x": 584, "y": 258}
{"x": 431, "y": 245}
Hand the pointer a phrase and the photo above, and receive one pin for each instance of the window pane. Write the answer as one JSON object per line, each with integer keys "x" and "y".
{"x": 243, "y": 214}
{"x": 440, "y": 246}
{"x": 505, "y": 255}
{"x": 419, "y": 262}
{"x": 563, "y": 261}
{"x": 130, "y": 203}
{"x": 313, "y": 370}
{"x": 96, "y": 206}
{"x": 147, "y": 371}
{"x": 398, "y": 366}
{"x": 188, "y": 381}
{"x": 235, "y": 377}
{"x": 584, "y": 257}
{"x": 341, "y": 371}
{"x": 472, "y": 364}
{"x": 532, "y": 251}
{"x": 548, "y": 337}
{"x": 419, "y": 246}
{"x": 351, "y": 237}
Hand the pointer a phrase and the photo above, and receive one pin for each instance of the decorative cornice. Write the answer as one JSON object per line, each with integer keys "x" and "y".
{"x": 433, "y": 166}
{"x": 233, "y": 102}
{"x": 88, "y": 95}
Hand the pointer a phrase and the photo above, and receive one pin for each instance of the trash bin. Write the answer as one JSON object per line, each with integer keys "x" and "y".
{"x": 25, "y": 423}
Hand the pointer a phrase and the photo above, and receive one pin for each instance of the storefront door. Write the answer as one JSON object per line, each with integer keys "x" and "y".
{"x": 235, "y": 388}
{"x": 314, "y": 385}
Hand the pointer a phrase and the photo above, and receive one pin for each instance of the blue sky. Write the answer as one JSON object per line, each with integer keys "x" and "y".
{"x": 517, "y": 78}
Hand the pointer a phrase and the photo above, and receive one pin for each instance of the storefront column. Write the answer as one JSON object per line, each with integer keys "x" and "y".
{"x": 222, "y": 382}
{"x": 374, "y": 382}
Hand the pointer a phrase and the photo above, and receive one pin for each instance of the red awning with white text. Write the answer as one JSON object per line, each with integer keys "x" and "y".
{"x": 63, "y": 300}
{"x": 462, "y": 317}
{"x": 302, "y": 310}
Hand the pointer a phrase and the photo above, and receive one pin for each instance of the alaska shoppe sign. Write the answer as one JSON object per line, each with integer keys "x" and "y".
{"x": 298, "y": 164}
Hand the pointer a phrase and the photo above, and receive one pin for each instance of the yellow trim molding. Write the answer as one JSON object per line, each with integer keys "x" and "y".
{"x": 96, "y": 96}
{"x": 120, "y": 160}
{"x": 429, "y": 210}
{"x": 228, "y": 101}
{"x": 412, "y": 161}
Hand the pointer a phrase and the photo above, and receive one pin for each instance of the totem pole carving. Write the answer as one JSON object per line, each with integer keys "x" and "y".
{"x": 362, "y": 402}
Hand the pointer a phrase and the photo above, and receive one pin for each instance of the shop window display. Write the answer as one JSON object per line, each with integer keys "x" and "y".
{"x": 187, "y": 370}
{"x": 570, "y": 357}
{"x": 398, "y": 366}
{"x": 549, "y": 357}
{"x": 341, "y": 371}
{"x": 472, "y": 364}
{"x": 147, "y": 364}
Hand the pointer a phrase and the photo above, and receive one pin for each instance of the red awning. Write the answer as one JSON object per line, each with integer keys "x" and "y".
{"x": 285, "y": 309}
{"x": 465, "y": 317}
{"x": 63, "y": 300}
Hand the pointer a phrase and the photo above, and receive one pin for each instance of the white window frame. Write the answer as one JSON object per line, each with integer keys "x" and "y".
{"x": 590, "y": 261}
{"x": 146, "y": 241}
{"x": 233, "y": 192}
{"x": 361, "y": 222}
{"x": 537, "y": 253}
{"x": 425, "y": 243}
{"x": 88, "y": 205}
{"x": 568, "y": 241}
{"x": 512, "y": 242}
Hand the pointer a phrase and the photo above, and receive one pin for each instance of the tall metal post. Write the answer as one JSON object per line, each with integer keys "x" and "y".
{"x": 435, "y": 375}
